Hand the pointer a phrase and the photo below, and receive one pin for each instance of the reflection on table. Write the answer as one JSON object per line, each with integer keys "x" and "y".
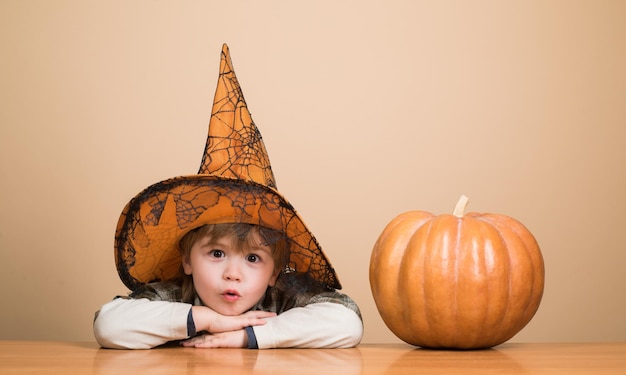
{"x": 41, "y": 357}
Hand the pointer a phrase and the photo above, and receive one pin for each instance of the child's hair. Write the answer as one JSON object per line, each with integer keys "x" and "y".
{"x": 240, "y": 232}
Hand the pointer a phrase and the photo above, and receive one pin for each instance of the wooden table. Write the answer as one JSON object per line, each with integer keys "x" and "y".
{"x": 42, "y": 357}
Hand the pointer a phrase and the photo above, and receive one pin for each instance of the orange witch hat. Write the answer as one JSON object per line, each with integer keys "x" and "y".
{"x": 235, "y": 184}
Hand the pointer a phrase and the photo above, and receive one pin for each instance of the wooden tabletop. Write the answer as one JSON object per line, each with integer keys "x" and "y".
{"x": 44, "y": 357}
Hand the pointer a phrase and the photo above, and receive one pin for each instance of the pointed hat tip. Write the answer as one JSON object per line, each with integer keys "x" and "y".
{"x": 225, "y": 62}
{"x": 234, "y": 147}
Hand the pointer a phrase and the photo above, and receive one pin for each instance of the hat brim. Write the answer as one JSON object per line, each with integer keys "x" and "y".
{"x": 154, "y": 221}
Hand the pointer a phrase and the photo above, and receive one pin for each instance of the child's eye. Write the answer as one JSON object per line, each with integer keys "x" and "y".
{"x": 253, "y": 258}
{"x": 217, "y": 253}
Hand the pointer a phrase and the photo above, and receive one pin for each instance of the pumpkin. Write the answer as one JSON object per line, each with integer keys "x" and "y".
{"x": 460, "y": 281}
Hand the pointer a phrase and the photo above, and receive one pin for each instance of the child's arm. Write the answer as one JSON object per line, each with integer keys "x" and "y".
{"x": 140, "y": 323}
{"x": 143, "y": 324}
{"x": 317, "y": 325}
{"x": 208, "y": 320}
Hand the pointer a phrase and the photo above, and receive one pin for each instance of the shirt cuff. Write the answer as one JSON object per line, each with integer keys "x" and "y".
{"x": 191, "y": 326}
{"x": 252, "y": 344}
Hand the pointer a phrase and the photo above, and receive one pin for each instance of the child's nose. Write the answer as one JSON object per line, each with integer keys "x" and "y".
{"x": 232, "y": 271}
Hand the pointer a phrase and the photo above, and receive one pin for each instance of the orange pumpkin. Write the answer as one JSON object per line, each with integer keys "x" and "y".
{"x": 460, "y": 281}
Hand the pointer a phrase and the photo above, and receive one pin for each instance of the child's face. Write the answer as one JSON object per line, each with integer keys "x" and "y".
{"x": 229, "y": 276}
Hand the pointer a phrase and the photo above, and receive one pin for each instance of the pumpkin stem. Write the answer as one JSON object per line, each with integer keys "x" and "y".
{"x": 459, "y": 209}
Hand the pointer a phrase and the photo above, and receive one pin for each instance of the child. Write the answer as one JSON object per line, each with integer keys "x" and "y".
{"x": 221, "y": 259}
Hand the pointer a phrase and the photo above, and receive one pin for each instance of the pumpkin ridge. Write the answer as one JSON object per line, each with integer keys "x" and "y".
{"x": 524, "y": 251}
{"x": 507, "y": 305}
{"x": 444, "y": 240}
{"x": 458, "y": 237}
{"x": 502, "y": 315}
{"x": 488, "y": 249}
{"x": 476, "y": 314}
{"x": 528, "y": 253}
{"x": 427, "y": 316}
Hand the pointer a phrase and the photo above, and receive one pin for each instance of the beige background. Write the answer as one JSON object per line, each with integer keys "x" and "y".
{"x": 368, "y": 109}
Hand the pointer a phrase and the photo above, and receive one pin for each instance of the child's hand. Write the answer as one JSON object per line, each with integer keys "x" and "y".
{"x": 232, "y": 339}
{"x": 208, "y": 320}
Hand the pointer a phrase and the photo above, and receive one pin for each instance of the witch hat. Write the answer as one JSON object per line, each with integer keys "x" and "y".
{"x": 235, "y": 184}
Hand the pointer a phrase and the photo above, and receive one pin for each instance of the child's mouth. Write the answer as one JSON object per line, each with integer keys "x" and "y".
{"x": 230, "y": 295}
